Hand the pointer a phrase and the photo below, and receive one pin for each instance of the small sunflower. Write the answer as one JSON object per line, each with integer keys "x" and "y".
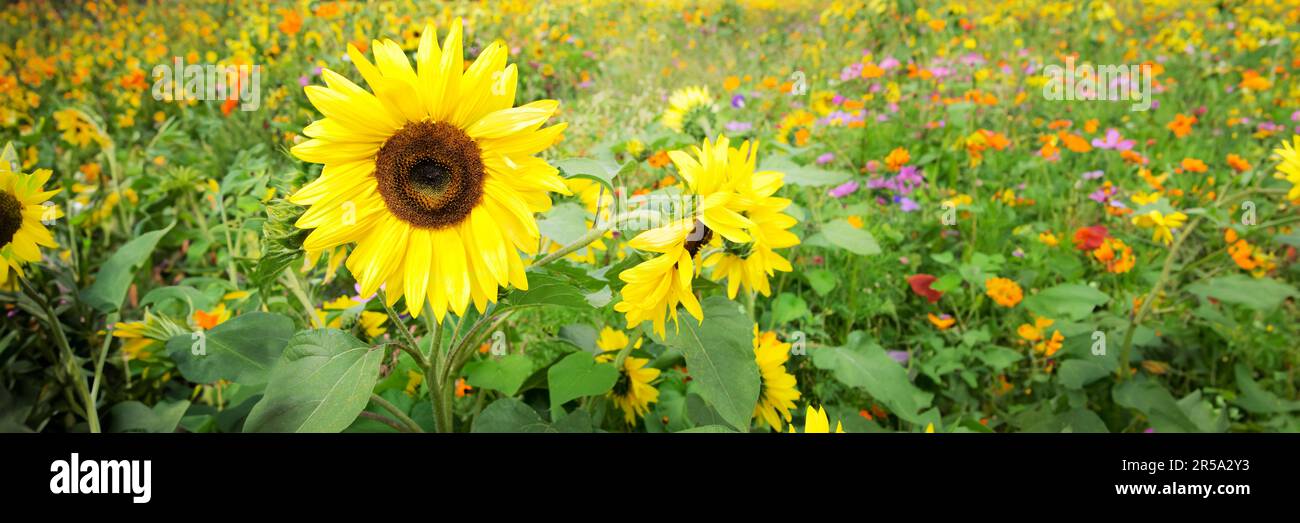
{"x": 751, "y": 264}
{"x": 611, "y": 341}
{"x": 1289, "y": 169}
{"x": 776, "y": 391}
{"x": 633, "y": 392}
{"x": 432, "y": 173}
{"x": 22, "y": 209}
{"x": 816, "y": 422}
{"x": 656, "y": 287}
{"x": 686, "y": 107}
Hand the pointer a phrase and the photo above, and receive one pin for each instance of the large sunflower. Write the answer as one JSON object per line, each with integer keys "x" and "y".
{"x": 431, "y": 173}
{"x": 776, "y": 392}
{"x": 22, "y": 232}
{"x": 751, "y": 264}
{"x": 656, "y": 287}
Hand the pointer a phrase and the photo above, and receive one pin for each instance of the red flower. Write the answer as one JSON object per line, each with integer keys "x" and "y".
{"x": 1089, "y": 238}
{"x": 921, "y": 286}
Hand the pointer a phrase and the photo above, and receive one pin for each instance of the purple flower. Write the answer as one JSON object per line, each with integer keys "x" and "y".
{"x": 825, "y": 158}
{"x": 1093, "y": 175}
{"x": 844, "y": 189}
{"x": 738, "y": 101}
{"x": 901, "y": 356}
{"x": 303, "y": 81}
{"x": 906, "y": 204}
{"x": 739, "y": 127}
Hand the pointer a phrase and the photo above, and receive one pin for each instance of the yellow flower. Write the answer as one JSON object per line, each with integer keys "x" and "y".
{"x": 77, "y": 129}
{"x": 1289, "y": 169}
{"x": 656, "y": 287}
{"x": 433, "y": 176}
{"x": 1005, "y": 292}
{"x": 413, "y": 380}
{"x": 777, "y": 391}
{"x": 1140, "y": 198}
{"x": 24, "y": 209}
{"x": 750, "y": 265}
{"x": 633, "y": 392}
{"x": 611, "y": 340}
{"x": 1161, "y": 224}
{"x": 685, "y": 107}
{"x": 816, "y": 422}
{"x": 1048, "y": 239}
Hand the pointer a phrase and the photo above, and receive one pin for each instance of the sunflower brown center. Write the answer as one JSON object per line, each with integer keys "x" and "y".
{"x": 430, "y": 174}
{"x": 11, "y": 217}
{"x": 700, "y": 236}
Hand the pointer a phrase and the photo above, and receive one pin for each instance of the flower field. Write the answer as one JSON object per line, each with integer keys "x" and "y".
{"x": 713, "y": 216}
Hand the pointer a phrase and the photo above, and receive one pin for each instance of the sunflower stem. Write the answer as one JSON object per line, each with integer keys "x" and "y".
{"x": 294, "y": 285}
{"x": 411, "y": 425}
{"x": 103, "y": 354}
{"x": 70, "y": 358}
{"x": 595, "y": 233}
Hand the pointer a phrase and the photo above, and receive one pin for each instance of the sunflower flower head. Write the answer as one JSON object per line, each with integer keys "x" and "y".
{"x": 654, "y": 288}
{"x": 749, "y": 265}
{"x": 690, "y": 111}
{"x": 632, "y": 392}
{"x": 432, "y": 173}
{"x": 816, "y": 422}
{"x": 24, "y": 211}
{"x": 777, "y": 392}
{"x": 1289, "y": 169}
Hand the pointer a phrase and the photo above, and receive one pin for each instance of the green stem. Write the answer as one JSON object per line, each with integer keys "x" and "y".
{"x": 70, "y": 358}
{"x": 292, "y": 282}
{"x": 411, "y": 425}
{"x": 1137, "y": 317}
{"x": 594, "y": 234}
{"x": 103, "y": 354}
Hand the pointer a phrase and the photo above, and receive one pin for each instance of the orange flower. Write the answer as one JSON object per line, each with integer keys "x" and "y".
{"x": 1005, "y": 292}
{"x": 1238, "y": 163}
{"x": 1074, "y": 142}
{"x": 870, "y": 71}
{"x": 462, "y": 388}
{"x": 659, "y": 159}
{"x": 1116, "y": 255}
{"x": 1193, "y": 165}
{"x": 290, "y": 22}
{"x": 1182, "y": 125}
{"x": 1251, "y": 80}
{"x": 1050, "y": 345}
{"x": 1036, "y": 331}
{"x": 1133, "y": 158}
{"x": 942, "y": 321}
{"x": 208, "y": 319}
{"x": 897, "y": 158}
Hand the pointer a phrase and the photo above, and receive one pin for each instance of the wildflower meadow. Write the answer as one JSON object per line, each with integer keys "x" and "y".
{"x": 682, "y": 216}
